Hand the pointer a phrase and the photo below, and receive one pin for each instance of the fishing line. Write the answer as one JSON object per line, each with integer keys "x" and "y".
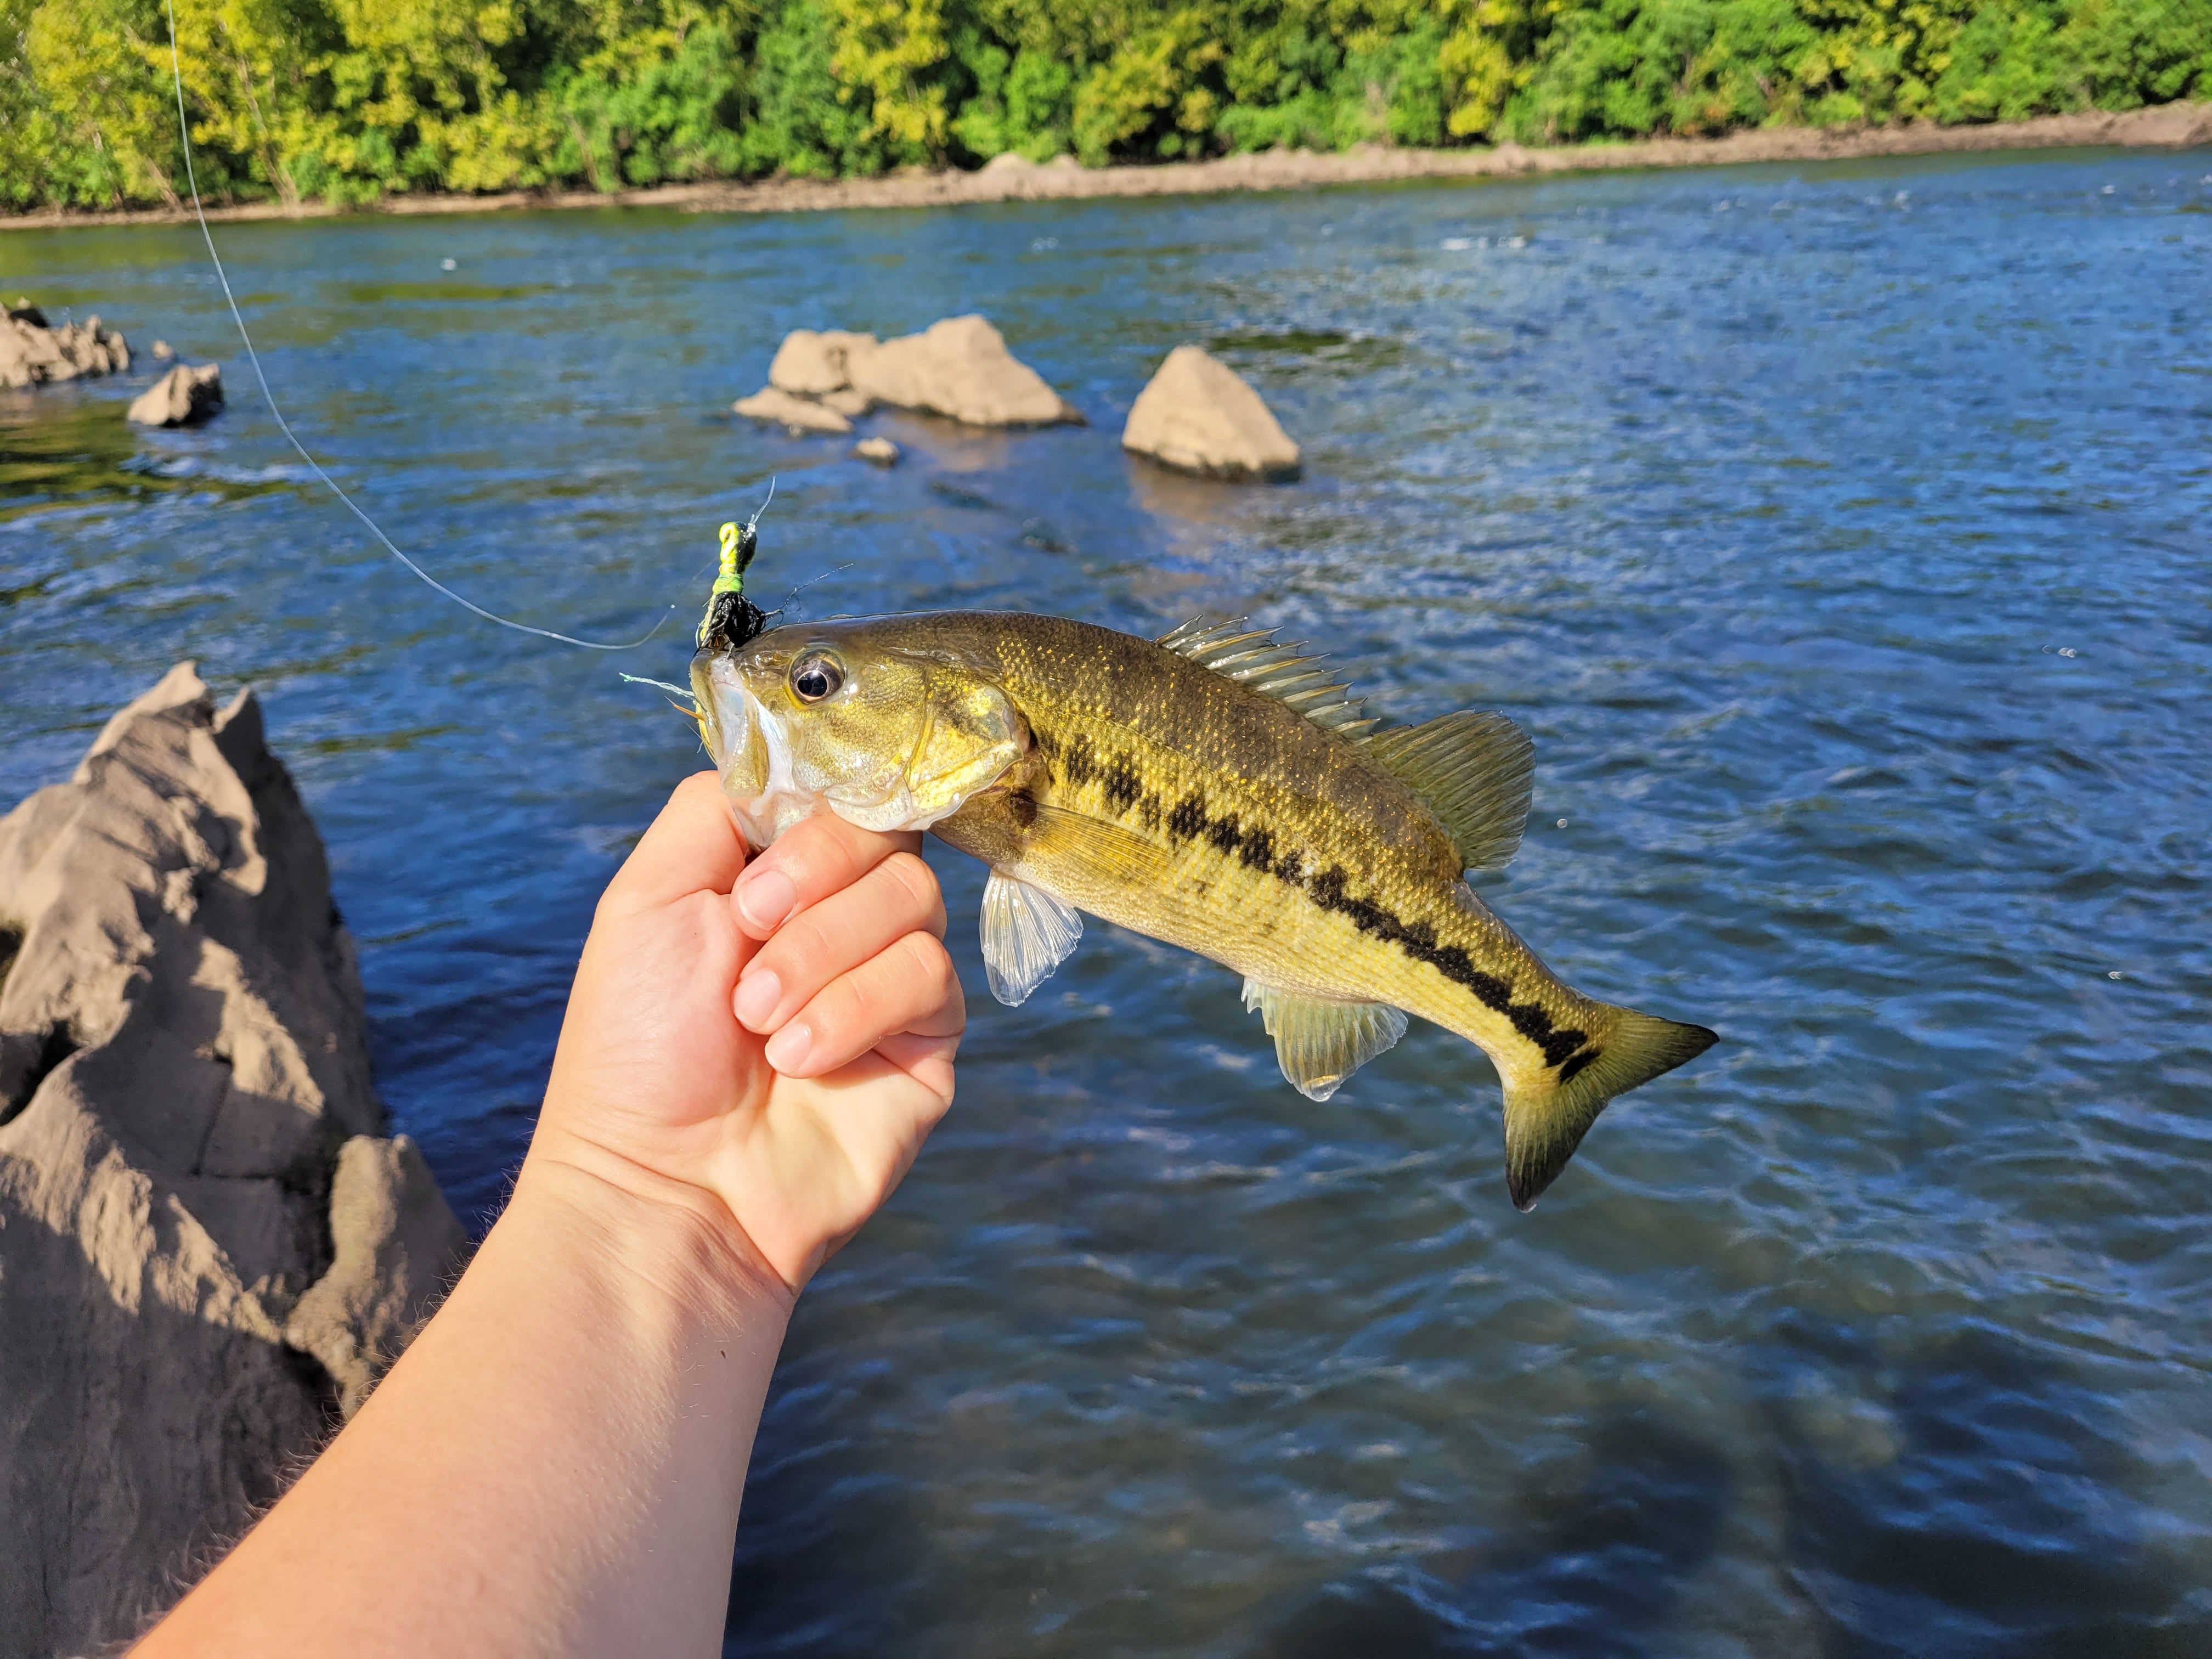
{"x": 184, "y": 131}
{"x": 835, "y": 570}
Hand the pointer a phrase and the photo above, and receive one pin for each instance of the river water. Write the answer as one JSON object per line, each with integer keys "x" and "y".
{"x": 1838, "y": 533}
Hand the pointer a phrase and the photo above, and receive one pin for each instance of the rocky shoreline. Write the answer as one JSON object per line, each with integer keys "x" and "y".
{"x": 210, "y": 1244}
{"x": 2164, "y": 126}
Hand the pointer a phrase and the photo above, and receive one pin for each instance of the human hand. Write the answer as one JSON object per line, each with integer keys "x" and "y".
{"x": 798, "y": 1121}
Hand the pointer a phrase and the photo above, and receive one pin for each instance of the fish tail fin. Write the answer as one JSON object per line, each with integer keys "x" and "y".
{"x": 1548, "y": 1115}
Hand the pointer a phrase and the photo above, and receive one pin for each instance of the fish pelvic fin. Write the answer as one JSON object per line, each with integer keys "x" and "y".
{"x": 1027, "y": 933}
{"x": 1320, "y": 1043}
{"x": 1548, "y": 1115}
{"x": 1474, "y": 770}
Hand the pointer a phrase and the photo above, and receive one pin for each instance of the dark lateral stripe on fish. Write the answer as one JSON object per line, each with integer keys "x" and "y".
{"x": 1118, "y": 777}
{"x": 1419, "y": 941}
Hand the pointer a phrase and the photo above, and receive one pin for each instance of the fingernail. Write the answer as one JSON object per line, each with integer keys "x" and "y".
{"x": 766, "y": 899}
{"x": 787, "y": 1049}
{"x": 758, "y": 995}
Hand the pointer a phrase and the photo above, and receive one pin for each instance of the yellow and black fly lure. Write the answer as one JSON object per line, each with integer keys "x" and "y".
{"x": 732, "y": 620}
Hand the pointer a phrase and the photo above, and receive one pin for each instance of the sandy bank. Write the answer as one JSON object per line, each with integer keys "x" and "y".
{"x": 2170, "y": 126}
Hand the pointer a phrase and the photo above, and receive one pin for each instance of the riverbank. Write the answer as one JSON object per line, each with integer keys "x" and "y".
{"x": 2168, "y": 127}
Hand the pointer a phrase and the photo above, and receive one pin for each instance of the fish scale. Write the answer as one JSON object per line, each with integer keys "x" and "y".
{"x": 1212, "y": 790}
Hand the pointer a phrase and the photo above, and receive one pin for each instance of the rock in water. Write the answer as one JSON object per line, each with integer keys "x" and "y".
{"x": 32, "y": 354}
{"x": 1198, "y": 415}
{"x": 820, "y": 382}
{"x": 813, "y": 365}
{"x": 959, "y": 367}
{"x": 207, "y": 1247}
{"x": 882, "y": 451}
{"x": 184, "y": 397}
{"x": 791, "y": 411}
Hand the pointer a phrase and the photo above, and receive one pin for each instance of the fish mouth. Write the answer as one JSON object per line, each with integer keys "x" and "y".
{"x": 752, "y": 747}
{"x": 770, "y": 786}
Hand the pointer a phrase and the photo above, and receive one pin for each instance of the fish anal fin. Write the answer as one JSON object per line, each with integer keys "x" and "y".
{"x": 1474, "y": 770}
{"x": 1027, "y": 933}
{"x": 1320, "y": 1043}
{"x": 1253, "y": 657}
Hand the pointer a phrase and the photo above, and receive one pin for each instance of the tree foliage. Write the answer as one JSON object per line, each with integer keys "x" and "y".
{"x": 351, "y": 100}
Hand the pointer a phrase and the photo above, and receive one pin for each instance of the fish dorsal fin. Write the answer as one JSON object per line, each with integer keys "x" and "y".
{"x": 1474, "y": 770}
{"x": 1253, "y": 657}
{"x": 1319, "y": 1044}
{"x": 1027, "y": 933}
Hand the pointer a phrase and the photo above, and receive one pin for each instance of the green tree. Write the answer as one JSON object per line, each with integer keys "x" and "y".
{"x": 890, "y": 58}
{"x": 652, "y": 94}
{"x": 1150, "y": 96}
{"x": 795, "y": 121}
{"x": 113, "y": 127}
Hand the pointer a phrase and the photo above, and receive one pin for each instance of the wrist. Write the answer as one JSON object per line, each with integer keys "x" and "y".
{"x": 673, "y": 1240}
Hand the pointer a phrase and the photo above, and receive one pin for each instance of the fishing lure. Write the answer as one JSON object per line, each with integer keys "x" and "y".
{"x": 732, "y": 620}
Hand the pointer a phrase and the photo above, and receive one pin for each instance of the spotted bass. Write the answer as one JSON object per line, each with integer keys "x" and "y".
{"x": 1213, "y": 789}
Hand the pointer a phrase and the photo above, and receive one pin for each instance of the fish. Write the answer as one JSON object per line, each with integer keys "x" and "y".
{"x": 1214, "y": 789}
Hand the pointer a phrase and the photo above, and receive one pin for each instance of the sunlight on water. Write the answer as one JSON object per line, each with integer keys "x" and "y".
{"x": 1842, "y": 550}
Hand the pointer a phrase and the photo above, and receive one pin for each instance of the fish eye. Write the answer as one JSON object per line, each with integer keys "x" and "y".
{"x": 816, "y": 675}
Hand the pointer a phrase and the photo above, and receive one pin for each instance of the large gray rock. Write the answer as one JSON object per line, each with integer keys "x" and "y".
{"x": 34, "y": 354}
{"x": 185, "y": 395}
{"x": 958, "y": 367}
{"x": 813, "y": 365}
{"x": 1198, "y": 415}
{"x": 395, "y": 1242}
{"x": 771, "y": 405}
{"x": 207, "y": 1246}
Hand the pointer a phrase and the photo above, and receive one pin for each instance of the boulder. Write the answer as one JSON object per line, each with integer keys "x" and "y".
{"x": 32, "y": 354}
{"x": 881, "y": 451}
{"x": 809, "y": 364}
{"x": 208, "y": 1243}
{"x": 794, "y": 413}
{"x": 393, "y": 1242}
{"x": 184, "y": 397}
{"x": 1198, "y": 415}
{"x": 958, "y": 367}
{"x": 163, "y": 351}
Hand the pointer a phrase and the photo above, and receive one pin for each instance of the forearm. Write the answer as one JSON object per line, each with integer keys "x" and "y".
{"x": 554, "y": 1467}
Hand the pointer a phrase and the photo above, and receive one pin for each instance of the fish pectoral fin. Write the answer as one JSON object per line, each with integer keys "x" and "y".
{"x": 1474, "y": 770}
{"x": 1103, "y": 848}
{"x": 1027, "y": 933}
{"x": 1320, "y": 1043}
